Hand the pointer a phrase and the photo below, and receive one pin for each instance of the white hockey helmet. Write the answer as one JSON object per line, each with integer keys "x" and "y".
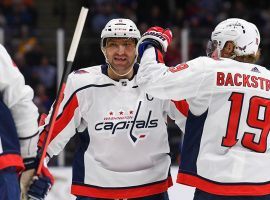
{"x": 119, "y": 28}
{"x": 245, "y": 36}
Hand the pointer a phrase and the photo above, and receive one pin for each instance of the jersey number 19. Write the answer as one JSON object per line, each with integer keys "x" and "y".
{"x": 253, "y": 120}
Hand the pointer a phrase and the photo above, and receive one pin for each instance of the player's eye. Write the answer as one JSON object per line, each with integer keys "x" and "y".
{"x": 112, "y": 44}
{"x": 128, "y": 44}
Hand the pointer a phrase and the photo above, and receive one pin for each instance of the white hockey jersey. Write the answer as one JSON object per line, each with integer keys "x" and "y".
{"x": 226, "y": 148}
{"x": 16, "y": 105}
{"x": 125, "y": 151}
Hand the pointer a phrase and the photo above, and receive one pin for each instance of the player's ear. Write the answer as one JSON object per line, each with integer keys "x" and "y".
{"x": 228, "y": 49}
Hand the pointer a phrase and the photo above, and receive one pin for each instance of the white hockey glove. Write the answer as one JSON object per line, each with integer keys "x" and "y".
{"x": 155, "y": 36}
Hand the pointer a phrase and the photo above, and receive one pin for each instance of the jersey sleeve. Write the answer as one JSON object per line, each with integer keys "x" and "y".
{"x": 18, "y": 97}
{"x": 68, "y": 119}
{"x": 178, "y": 111}
{"x": 177, "y": 83}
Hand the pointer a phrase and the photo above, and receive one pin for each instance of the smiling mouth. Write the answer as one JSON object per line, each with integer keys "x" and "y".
{"x": 120, "y": 59}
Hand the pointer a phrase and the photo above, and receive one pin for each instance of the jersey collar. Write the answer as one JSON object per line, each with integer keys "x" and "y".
{"x": 104, "y": 69}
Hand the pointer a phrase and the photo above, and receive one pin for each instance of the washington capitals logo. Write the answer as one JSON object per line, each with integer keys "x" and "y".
{"x": 117, "y": 121}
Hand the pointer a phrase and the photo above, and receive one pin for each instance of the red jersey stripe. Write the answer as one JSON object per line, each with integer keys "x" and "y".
{"x": 182, "y": 106}
{"x": 11, "y": 160}
{"x": 132, "y": 192}
{"x": 226, "y": 189}
{"x": 160, "y": 57}
{"x": 62, "y": 120}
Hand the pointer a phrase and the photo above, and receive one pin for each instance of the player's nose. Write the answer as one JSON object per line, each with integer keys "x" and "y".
{"x": 121, "y": 49}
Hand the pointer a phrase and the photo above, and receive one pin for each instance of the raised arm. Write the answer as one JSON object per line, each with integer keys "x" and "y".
{"x": 179, "y": 82}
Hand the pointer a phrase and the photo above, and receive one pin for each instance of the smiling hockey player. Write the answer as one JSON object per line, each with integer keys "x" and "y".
{"x": 124, "y": 150}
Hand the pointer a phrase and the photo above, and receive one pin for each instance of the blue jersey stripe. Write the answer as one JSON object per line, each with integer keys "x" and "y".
{"x": 78, "y": 162}
{"x": 8, "y": 132}
{"x": 192, "y": 141}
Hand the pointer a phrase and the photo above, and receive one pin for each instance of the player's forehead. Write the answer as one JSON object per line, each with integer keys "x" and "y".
{"x": 120, "y": 40}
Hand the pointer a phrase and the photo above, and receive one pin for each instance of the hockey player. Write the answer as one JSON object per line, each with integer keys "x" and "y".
{"x": 18, "y": 129}
{"x": 226, "y": 150}
{"x": 124, "y": 152}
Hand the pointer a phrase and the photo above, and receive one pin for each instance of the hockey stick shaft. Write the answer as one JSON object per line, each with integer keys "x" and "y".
{"x": 59, "y": 97}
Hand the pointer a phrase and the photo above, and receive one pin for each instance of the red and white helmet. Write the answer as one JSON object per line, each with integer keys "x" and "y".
{"x": 120, "y": 28}
{"x": 245, "y": 36}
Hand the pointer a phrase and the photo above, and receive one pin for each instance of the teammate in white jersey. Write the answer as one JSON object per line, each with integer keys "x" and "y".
{"x": 124, "y": 152}
{"x": 18, "y": 129}
{"x": 226, "y": 149}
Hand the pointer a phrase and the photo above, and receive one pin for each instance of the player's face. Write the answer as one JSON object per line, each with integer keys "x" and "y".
{"x": 120, "y": 53}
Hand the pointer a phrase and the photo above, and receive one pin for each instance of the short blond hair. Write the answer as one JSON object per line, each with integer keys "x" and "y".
{"x": 252, "y": 58}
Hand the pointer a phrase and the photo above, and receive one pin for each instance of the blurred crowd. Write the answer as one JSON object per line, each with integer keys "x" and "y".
{"x": 198, "y": 16}
{"x": 19, "y": 18}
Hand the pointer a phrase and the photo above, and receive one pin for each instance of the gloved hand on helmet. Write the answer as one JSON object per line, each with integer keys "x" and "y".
{"x": 155, "y": 36}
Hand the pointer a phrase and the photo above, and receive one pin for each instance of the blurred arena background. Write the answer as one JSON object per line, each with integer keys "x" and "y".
{"x": 37, "y": 33}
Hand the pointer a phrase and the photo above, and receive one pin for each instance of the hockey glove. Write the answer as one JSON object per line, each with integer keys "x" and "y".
{"x": 41, "y": 185}
{"x": 155, "y": 36}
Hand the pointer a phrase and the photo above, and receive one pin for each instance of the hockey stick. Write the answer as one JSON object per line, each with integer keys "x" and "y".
{"x": 59, "y": 97}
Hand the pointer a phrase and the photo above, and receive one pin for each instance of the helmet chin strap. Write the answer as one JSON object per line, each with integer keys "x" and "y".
{"x": 121, "y": 75}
